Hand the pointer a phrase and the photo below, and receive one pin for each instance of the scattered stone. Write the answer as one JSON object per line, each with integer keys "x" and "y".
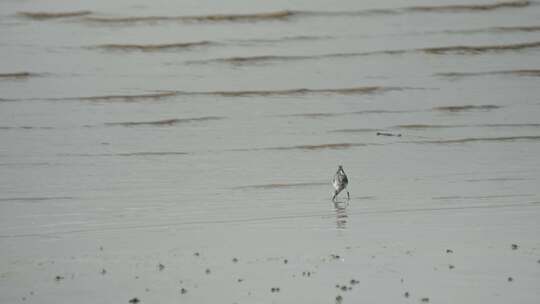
{"x": 207, "y": 271}
{"x": 354, "y": 282}
{"x": 449, "y": 251}
{"x": 134, "y": 301}
{"x": 425, "y": 300}
{"x": 339, "y": 299}
{"x": 183, "y": 291}
{"x": 406, "y": 294}
{"x": 451, "y": 266}
{"x": 235, "y": 260}
{"x": 161, "y": 267}
{"x": 343, "y": 288}
{"x": 515, "y": 246}
{"x": 510, "y": 279}
{"x": 58, "y": 278}
{"x": 103, "y": 271}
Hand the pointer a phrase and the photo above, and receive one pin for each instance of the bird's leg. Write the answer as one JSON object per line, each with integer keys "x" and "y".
{"x": 334, "y": 196}
{"x": 348, "y": 196}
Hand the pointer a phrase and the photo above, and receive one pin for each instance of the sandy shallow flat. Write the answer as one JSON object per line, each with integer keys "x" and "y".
{"x": 183, "y": 153}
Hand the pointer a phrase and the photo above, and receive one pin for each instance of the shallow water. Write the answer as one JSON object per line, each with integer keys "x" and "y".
{"x": 157, "y": 130}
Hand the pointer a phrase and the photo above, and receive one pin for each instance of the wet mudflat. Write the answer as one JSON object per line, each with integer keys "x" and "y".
{"x": 165, "y": 153}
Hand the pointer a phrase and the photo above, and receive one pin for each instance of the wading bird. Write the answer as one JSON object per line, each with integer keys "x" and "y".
{"x": 340, "y": 182}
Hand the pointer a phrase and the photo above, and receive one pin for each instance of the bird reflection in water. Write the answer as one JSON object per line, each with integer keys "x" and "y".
{"x": 341, "y": 215}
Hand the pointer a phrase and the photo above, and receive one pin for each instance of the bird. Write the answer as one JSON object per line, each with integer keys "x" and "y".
{"x": 340, "y": 182}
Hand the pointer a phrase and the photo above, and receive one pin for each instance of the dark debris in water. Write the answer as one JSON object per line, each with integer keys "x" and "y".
{"x": 339, "y": 299}
{"x": 515, "y": 246}
{"x": 58, "y": 278}
{"x": 388, "y": 134}
{"x": 449, "y": 251}
{"x": 354, "y": 282}
{"x": 196, "y": 254}
{"x": 183, "y": 291}
{"x": 161, "y": 267}
{"x": 406, "y": 294}
{"x": 335, "y": 256}
{"x": 235, "y": 260}
{"x": 285, "y": 261}
{"x": 451, "y": 266}
{"x": 103, "y": 271}
{"x": 510, "y": 279}
{"x": 134, "y": 301}
{"x": 425, "y": 300}
{"x": 207, "y": 271}
{"x": 275, "y": 289}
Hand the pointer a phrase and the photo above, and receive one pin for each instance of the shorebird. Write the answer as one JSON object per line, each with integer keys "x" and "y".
{"x": 340, "y": 182}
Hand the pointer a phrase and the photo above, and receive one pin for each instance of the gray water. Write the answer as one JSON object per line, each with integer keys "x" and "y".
{"x": 220, "y": 123}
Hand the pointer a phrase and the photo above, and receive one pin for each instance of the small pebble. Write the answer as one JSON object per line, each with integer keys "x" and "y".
{"x": 449, "y": 251}
{"x": 406, "y": 294}
{"x": 285, "y": 261}
{"x": 451, "y": 266}
{"x": 354, "y": 282}
{"x": 514, "y": 246}
{"x": 183, "y": 291}
{"x": 161, "y": 267}
{"x": 196, "y": 254}
{"x": 510, "y": 279}
{"x": 134, "y": 301}
{"x": 425, "y": 300}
